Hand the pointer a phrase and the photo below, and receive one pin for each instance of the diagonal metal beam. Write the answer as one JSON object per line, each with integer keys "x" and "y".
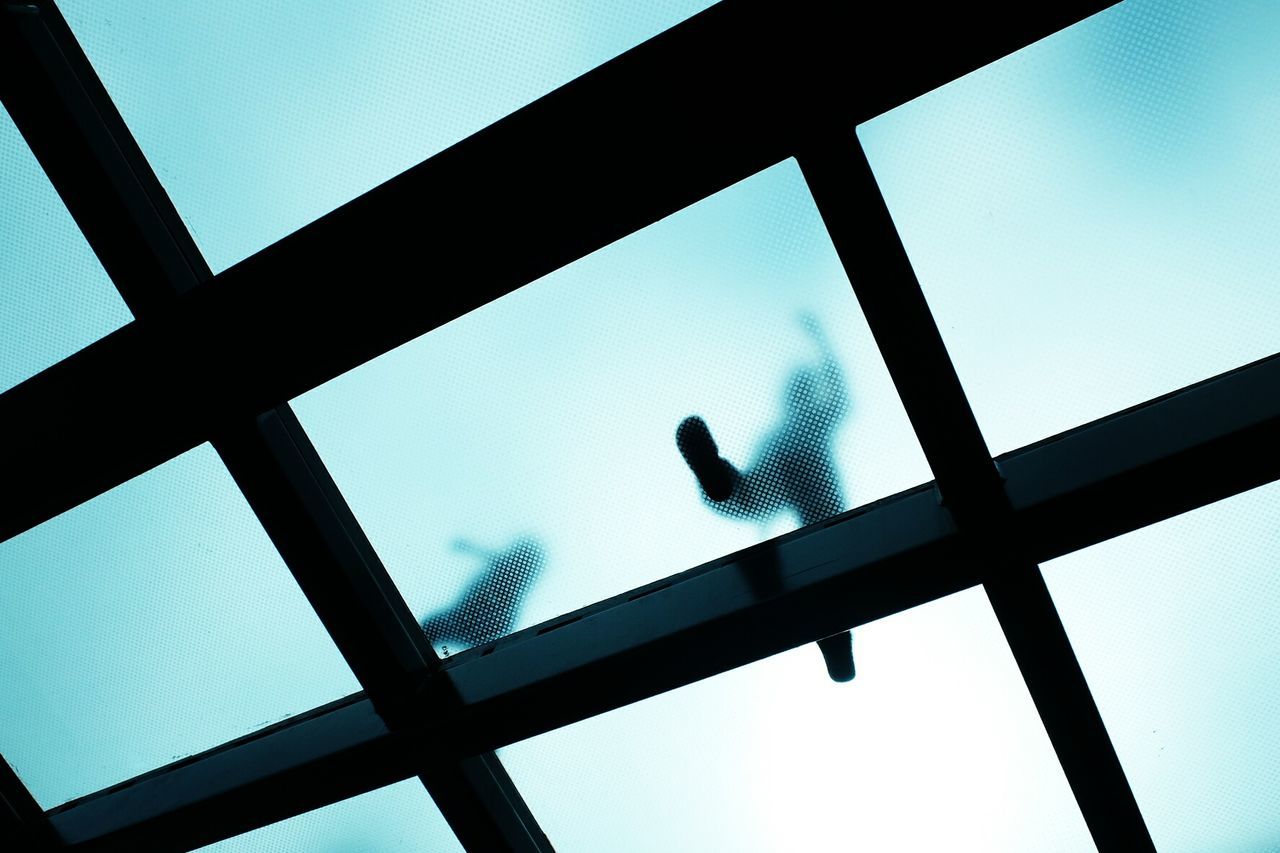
{"x": 644, "y": 135}
{"x": 1089, "y": 484}
{"x": 73, "y": 127}
{"x": 858, "y": 220}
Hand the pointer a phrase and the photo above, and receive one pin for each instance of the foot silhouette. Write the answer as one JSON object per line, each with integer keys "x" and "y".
{"x": 837, "y": 651}
{"x": 698, "y": 448}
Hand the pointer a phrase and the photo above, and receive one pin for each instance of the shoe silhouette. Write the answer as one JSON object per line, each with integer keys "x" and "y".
{"x": 715, "y": 475}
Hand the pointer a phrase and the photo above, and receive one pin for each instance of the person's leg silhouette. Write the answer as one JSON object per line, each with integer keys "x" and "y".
{"x": 837, "y": 651}
{"x": 757, "y": 495}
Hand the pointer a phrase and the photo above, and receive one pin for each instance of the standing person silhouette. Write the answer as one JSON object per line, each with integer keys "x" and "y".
{"x": 490, "y": 605}
{"x": 793, "y": 469}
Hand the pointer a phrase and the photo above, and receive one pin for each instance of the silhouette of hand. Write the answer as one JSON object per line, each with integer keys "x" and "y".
{"x": 809, "y": 322}
{"x": 466, "y": 546}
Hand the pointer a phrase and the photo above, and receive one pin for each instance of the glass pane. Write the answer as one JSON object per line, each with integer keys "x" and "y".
{"x": 259, "y": 118}
{"x": 1176, "y": 628}
{"x": 935, "y": 746}
{"x": 55, "y": 298}
{"x": 400, "y": 817}
{"x": 1093, "y": 219}
{"x": 151, "y": 623}
{"x": 526, "y": 453}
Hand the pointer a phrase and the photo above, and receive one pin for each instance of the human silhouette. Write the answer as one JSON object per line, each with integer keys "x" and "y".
{"x": 793, "y": 469}
{"x": 490, "y": 605}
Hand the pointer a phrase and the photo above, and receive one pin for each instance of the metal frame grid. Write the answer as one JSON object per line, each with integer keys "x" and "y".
{"x": 214, "y": 358}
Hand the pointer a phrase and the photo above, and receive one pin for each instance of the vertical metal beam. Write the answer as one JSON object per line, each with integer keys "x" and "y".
{"x": 80, "y": 139}
{"x": 851, "y": 205}
{"x": 23, "y": 825}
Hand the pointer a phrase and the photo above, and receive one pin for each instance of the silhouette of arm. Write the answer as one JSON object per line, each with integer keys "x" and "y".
{"x": 832, "y": 391}
{"x": 466, "y": 546}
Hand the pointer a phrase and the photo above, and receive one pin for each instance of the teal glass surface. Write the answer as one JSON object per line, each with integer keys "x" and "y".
{"x": 935, "y": 745}
{"x": 260, "y": 117}
{"x": 55, "y": 298}
{"x": 1177, "y": 629}
{"x": 1093, "y": 219}
{"x": 399, "y": 818}
{"x": 552, "y": 413}
{"x": 153, "y": 622}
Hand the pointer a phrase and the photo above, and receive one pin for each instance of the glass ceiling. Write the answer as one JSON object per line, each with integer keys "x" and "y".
{"x": 1093, "y": 219}
{"x": 934, "y": 746}
{"x": 550, "y": 416}
{"x": 1176, "y": 628}
{"x": 151, "y": 623}
{"x": 399, "y": 818}
{"x": 261, "y": 117}
{"x": 55, "y": 298}
{"x": 1093, "y": 222}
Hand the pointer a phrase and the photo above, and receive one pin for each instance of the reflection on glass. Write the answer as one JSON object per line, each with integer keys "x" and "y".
{"x": 400, "y": 818}
{"x": 150, "y": 623}
{"x": 552, "y": 412}
{"x": 1094, "y": 219}
{"x": 260, "y": 117}
{"x": 1176, "y": 628}
{"x": 935, "y": 746}
{"x": 55, "y": 298}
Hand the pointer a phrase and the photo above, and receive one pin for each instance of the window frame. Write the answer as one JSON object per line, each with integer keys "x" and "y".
{"x": 215, "y": 358}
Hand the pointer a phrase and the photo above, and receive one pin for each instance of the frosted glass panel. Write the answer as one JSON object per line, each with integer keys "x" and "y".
{"x": 522, "y": 461}
{"x": 935, "y": 746}
{"x": 1094, "y": 219}
{"x": 1177, "y": 628}
{"x": 260, "y": 117}
{"x": 400, "y": 818}
{"x": 55, "y": 298}
{"x": 151, "y": 623}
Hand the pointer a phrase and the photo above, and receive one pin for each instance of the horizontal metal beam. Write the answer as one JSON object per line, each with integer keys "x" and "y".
{"x": 1192, "y": 447}
{"x": 644, "y": 135}
{"x": 244, "y": 784}
{"x": 867, "y": 564}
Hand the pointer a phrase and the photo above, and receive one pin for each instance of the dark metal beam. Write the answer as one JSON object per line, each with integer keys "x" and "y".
{"x": 85, "y": 147}
{"x": 333, "y": 561}
{"x": 648, "y": 133}
{"x": 1101, "y": 479}
{"x": 23, "y": 825}
{"x": 867, "y": 241}
{"x": 1192, "y": 447}
{"x": 244, "y": 784}
{"x": 61, "y": 108}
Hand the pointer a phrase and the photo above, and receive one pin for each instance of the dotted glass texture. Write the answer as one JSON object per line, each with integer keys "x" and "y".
{"x": 549, "y": 417}
{"x": 400, "y": 818}
{"x": 153, "y": 622}
{"x": 1093, "y": 219}
{"x": 261, "y": 117}
{"x": 936, "y": 745}
{"x": 55, "y": 298}
{"x": 1177, "y": 628}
